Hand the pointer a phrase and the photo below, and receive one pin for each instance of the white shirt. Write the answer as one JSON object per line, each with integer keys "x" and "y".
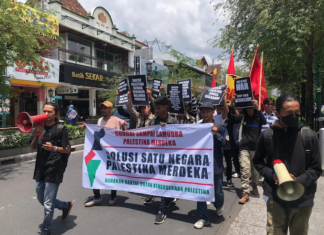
{"x": 270, "y": 119}
{"x": 218, "y": 120}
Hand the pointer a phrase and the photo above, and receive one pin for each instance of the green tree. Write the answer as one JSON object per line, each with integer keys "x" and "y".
{"x": 112, "y": 86}
{"x": 290, "y": 33}
{"x": 19, "y": 39}
{"x": 183, "y": 70}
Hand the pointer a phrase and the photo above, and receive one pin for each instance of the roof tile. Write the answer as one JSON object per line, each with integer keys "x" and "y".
{"x": 74, "y": 6}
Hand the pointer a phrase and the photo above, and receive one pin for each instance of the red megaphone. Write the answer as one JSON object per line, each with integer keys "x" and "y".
{"x": 25, "y": 122}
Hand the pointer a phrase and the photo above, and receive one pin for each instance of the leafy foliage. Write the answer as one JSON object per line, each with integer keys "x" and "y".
{"x": 19, "y": 39}
{"x": 289, "y": 32}
{"x": 112, "y": 86}
{"x": 183, "y": 70}
{"x": 12, "y": 139}
{"x": 74, "y": 132}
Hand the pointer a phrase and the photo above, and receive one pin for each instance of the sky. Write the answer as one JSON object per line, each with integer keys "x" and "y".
{"x": 187, "y": 25}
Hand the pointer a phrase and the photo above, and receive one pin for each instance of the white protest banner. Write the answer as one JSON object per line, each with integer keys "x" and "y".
{"x": 171, "y": 161}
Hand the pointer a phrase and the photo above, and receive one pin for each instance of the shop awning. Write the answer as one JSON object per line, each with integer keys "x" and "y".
{"x": 32, "y": 83}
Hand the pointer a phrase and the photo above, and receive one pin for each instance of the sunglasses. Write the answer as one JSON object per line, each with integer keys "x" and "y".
{"x": 269, "y": 104}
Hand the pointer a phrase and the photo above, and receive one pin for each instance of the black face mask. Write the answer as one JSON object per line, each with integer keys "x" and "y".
{"x": 291, "y": 120}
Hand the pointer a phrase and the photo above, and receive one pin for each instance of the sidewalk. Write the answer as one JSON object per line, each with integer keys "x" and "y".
{"x": 253, "y": 217}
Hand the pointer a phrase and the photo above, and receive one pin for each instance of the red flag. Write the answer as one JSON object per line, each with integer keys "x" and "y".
{"x": 231, "y": 67}
{"x": 255, "y": 72}
{"x": 213, "y": 84}
{"x": 263, "y": 88}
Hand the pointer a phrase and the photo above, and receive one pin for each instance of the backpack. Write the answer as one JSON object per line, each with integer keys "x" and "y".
{"x": 59, "y": 134}
{"x": 306, "y": 139}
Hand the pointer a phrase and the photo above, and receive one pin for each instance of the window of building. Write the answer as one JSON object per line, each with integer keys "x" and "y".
{"x": 79, "y": 45}
{"x": 105, "y": 56}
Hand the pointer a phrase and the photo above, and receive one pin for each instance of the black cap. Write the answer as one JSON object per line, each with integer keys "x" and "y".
{"x": 207, "y": 105}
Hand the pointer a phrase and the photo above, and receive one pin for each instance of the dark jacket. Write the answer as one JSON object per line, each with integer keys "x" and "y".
{"x": 287, "y": 145}
{"x": 233, "y": 130}
{"x": 170, "y": 120}
{"x": 220, "y": 142}
{"x": 251, "y": 131}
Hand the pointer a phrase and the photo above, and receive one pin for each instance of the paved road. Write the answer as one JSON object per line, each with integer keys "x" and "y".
{"x": 21, "y": 214}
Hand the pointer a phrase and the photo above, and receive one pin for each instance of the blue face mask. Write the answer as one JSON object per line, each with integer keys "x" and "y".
{"x": 291, "y": 120}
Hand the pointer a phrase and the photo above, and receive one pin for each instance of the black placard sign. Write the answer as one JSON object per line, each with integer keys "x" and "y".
{"x": 176, "y": 98}
{"x": 186, "y": 89}
{"x": 244, "y": 93}
{"x": 122, "y": 98}
{"x": 138, "y": 86}
{"x": 213, "y": 95}
{"x": 156, "y": 87}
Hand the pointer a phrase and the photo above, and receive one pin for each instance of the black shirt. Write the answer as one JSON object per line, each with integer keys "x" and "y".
{"x": 251, "y": 128}
{"x": 50, "y": 166}
{"x": 159, "y": 119}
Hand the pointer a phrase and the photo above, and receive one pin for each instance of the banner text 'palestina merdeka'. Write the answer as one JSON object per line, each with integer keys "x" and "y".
{"x": 172, "y": 161}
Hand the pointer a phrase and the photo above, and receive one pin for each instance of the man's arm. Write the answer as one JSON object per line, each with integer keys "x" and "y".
{"x": 235, "y": 118}
{"x": 221, "y": 137}
{"x": 259, "y": 157}
{"x": 34, "y": 143}
{"x": 263, "y": 121}
{"x": 131, "y": 111}
{"x": 35, "y": 137}
{"x": 149, "y": 93}
{"x": 225, "y": 106}
{"x": 314, "y": 170}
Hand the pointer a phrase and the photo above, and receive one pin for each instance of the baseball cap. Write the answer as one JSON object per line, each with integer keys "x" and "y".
{"x": 107, "y": 104}
{"x": 207, "y": 105}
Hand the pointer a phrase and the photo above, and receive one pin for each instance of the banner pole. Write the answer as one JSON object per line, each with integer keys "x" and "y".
{"x": 260, "y": 82}
{"x": 253, "y": 61}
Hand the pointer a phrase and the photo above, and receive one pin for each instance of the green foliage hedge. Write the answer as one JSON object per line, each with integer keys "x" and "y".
{"x": 75, "y": 132}
{"x": 14, "y": 139}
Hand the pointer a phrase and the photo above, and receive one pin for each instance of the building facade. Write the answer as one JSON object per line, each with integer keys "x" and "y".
{"x": 91, "y": 49}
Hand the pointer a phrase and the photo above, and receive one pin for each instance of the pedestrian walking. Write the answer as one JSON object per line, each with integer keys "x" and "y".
{"x": 53, "y": 149}
{"x": 220, "y": 133}
{"x": 162, "y": 117}
{"x": 251, "y": 123}
{"x": 297, "y": 147}
{"x": 269, "y": 115}
{"x": 107, "y": 120}
{"x": 72, "y": 115}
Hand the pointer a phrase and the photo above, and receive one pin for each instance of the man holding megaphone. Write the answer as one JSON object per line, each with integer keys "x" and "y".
{"x": 288, "y": 158}
{"x": 53, "y": 148}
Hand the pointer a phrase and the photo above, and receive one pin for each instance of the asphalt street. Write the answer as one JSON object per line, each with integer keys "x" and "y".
{"x": 21, "y": 214}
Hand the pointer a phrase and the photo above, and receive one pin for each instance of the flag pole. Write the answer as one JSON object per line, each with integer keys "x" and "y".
{"x": 260, "y": 82}
{"x": 253, "y": 61}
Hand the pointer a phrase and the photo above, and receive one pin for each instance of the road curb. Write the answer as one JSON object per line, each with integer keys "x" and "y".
{"x": 30, "y": 156}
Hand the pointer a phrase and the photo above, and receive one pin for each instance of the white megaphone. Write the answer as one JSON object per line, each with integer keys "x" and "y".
{"x": 288, "y": 189}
